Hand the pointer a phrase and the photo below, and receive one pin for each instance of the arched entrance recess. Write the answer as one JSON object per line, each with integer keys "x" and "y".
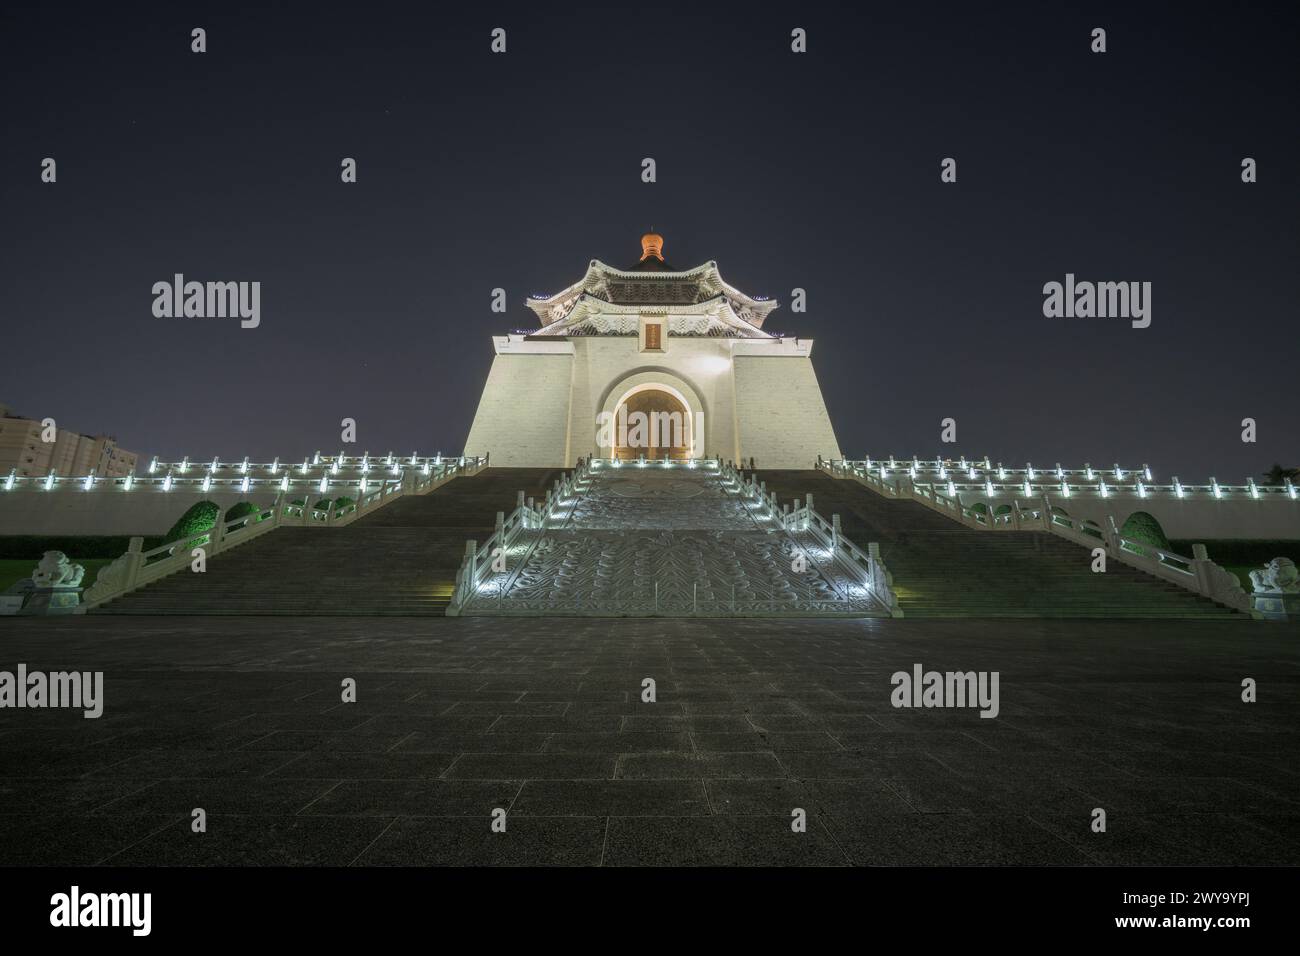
{"x": 672, "y": 426}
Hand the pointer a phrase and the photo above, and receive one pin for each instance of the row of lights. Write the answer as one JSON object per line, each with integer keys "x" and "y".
{"x": 662, "y": 463}
{"x": 916, "y": 466}
{"x": 88, "y": 482}
{"x": 390, "y": 462}
{"x": 1091, "y": 475}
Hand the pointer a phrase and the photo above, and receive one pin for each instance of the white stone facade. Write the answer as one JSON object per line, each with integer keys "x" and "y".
{"x": 540, "y": 405}
{"x": 750, "y": 394}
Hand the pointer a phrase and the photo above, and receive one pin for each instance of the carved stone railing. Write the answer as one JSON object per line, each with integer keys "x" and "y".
{"x": 980, "y": 477}
{"x": 317, "y": 475}
{"x": 527, "y": 516}
{"x": 1197, "y": 573}
{"x": 857, "y": 564}
{"x": 522, "y": 529}
{"x": 137, "y": 567}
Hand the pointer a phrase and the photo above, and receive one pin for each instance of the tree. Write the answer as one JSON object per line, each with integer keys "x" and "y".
{"x": 1278, "y": 475}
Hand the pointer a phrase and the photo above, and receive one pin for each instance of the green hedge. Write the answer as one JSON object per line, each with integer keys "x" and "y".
{"x": 198, "y": 519}
{"x": 1140, "y": 526}
{"x": 33, "y": 547}
{"x": 242, "y": 510}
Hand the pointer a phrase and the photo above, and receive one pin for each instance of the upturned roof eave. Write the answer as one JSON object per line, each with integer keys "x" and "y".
{"x": 597, "y": 267}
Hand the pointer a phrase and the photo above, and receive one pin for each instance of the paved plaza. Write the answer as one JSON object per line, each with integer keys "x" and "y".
{"x": 543, "y": 719}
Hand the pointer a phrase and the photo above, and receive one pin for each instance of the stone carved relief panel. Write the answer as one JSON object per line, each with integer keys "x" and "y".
{"x": 640, "y": 542}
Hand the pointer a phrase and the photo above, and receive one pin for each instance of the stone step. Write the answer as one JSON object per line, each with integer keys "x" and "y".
{"x": 943, "y": 569}
{"x": 400, "y": 559}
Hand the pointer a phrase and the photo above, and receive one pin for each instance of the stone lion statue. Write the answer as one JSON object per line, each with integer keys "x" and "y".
{"x": 56, "y": 571}
{"x": 1280, "y": 574}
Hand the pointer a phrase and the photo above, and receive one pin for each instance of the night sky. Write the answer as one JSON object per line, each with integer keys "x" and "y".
{"x": 819, "y": 171}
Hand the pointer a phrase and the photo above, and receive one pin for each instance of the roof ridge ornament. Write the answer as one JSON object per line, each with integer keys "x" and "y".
{"x": 652, "y": 244}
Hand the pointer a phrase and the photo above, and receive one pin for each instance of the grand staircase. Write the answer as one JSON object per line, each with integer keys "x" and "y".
{"x": 942, "y": 569}
{"x": 681, "y": 541}
{"x": 401, "y": 559}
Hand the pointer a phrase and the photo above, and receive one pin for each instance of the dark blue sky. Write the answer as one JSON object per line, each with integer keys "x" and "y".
{"x": 819, "y": 171}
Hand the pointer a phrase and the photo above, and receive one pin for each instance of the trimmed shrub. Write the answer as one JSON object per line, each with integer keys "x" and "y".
{"x": 1143, "y": 527}
{"x": 242, "y": 510}
{"x": 197, "y": 520}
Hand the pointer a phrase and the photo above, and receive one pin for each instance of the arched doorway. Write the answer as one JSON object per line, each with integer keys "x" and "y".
{"x": 669, "y": 402}
{"x": 652, "y": 422}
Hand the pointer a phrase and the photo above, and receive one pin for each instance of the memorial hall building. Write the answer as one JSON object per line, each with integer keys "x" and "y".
{"x": 651, "y": 342}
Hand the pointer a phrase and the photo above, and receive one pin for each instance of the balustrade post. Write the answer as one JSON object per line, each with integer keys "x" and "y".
{"x": 471, "y": 563}
{"x": 835, "y": 533}
{"x": 1111, "y": 531}
{"x": 217, "y": 535}
{"x": 1201, "y": 564}
{"x": 134, "y": 562}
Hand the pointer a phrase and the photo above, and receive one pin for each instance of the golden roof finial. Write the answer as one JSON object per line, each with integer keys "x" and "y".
{"x": 652, "y": 244}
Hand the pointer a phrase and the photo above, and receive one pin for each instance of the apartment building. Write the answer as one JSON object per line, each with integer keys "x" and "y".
{"x": 23, "y": 450}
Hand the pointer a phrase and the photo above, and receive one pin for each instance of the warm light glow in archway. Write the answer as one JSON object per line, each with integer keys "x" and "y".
{"x": 666, "y": 427}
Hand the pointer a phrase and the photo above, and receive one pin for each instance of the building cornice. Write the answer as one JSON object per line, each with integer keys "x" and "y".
{"x": 555, "y": 310}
